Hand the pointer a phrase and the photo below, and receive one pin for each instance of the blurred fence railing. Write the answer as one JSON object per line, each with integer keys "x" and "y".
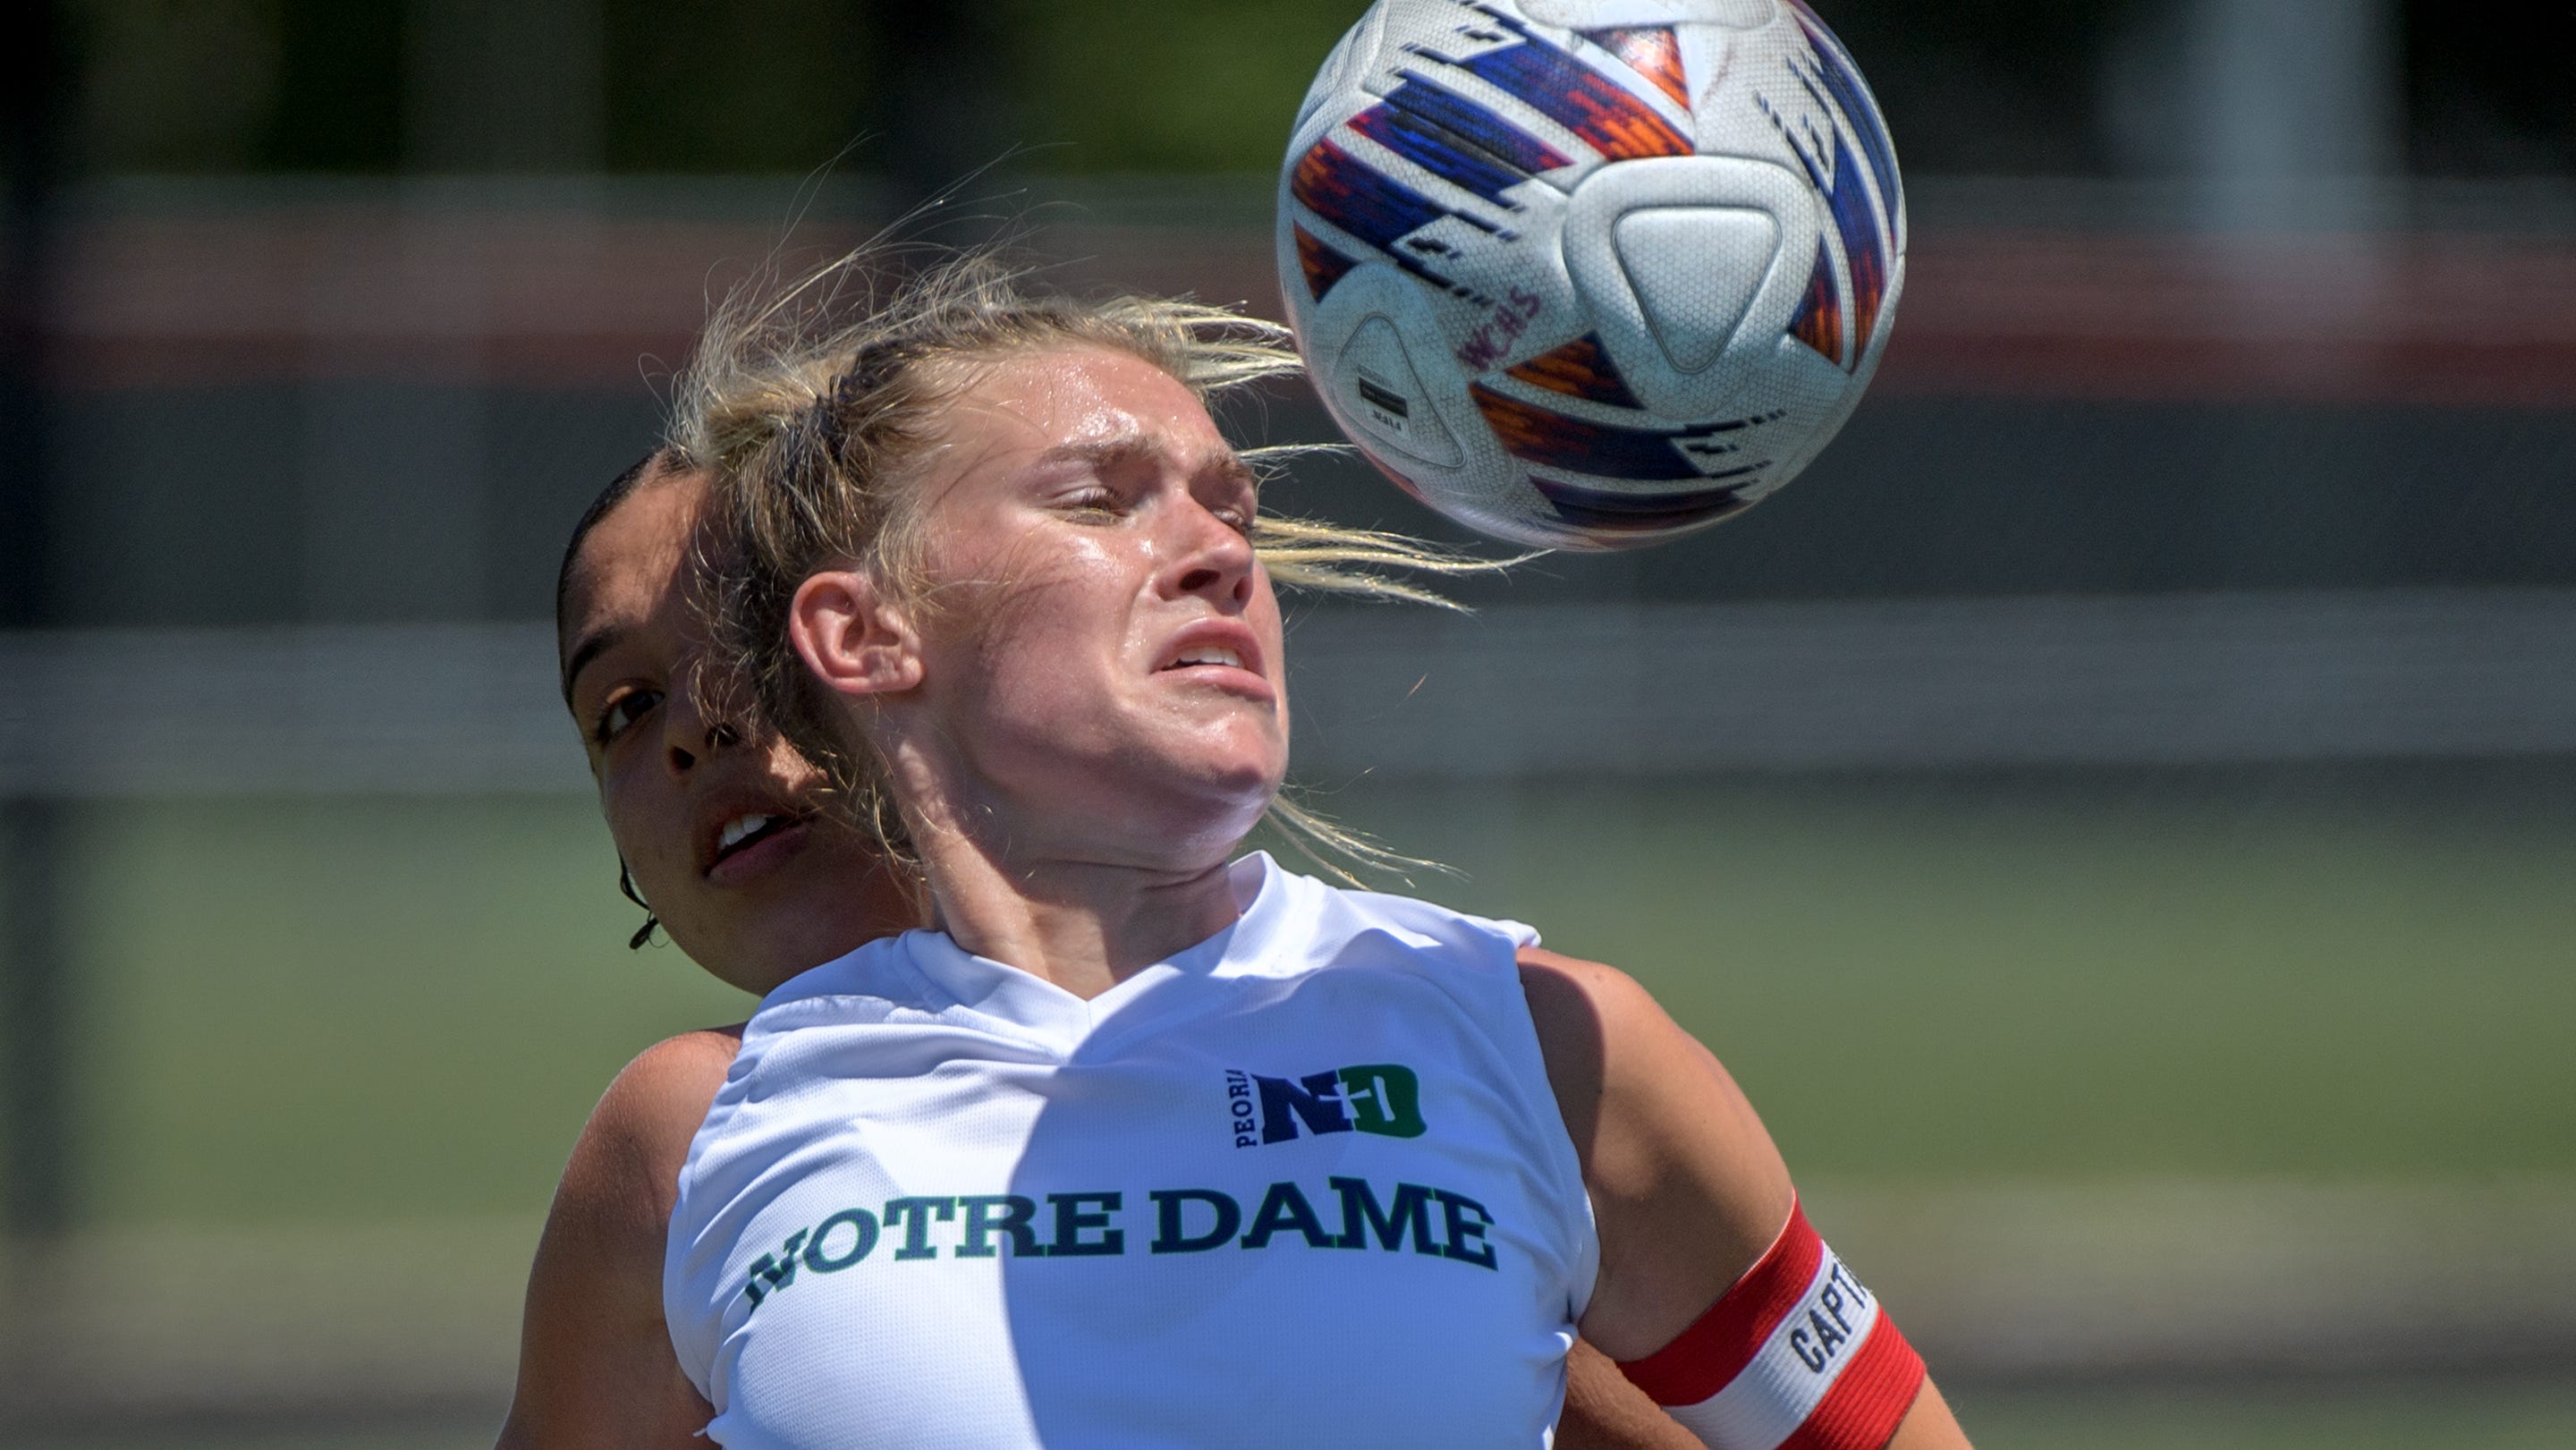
{"x": 321, "y": 402}
{"x": 1554, "y": 690}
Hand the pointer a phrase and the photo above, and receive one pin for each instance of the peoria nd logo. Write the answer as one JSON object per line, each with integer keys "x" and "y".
{"x": 1377, "y": 1097}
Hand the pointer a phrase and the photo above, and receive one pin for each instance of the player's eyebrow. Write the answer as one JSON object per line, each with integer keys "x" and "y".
{"x": 1101, "y": 452}
{"x": 592, "y": 645}
{"x": 1142, "y": 447}
{"x": 1231, "y": 467}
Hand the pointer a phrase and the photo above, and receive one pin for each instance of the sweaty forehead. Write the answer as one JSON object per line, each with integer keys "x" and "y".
{"x": 1090, "y": 394}
{"x": 1076, "y": 402}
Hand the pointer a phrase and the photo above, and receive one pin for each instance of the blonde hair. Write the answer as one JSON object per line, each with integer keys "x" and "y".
{"x": 810, "y": 412}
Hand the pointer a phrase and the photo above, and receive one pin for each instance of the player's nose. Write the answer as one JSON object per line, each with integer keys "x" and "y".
{"x": 1214, "y": 559}
{"x": 691, "y": 733}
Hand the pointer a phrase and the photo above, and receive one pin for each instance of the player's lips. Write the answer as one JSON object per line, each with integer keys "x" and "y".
{"x": 742, "y": 835}
{"x": 1222, "y": 651}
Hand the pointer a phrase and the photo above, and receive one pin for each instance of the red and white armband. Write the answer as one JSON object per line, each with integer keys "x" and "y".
{"x": 1796, "y": 1356}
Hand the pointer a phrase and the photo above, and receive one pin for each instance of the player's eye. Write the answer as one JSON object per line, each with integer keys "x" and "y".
{"x": 620, "y": 714}
{"x": 1233, "y": 504}
{"x": 1096, "y": 501}
{"x": 1233, "y": 495}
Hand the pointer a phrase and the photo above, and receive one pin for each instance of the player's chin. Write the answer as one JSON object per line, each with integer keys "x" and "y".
{"x": 751, "y": 940}
{"x": 1204, "y": 801}
{"x": 1235, "y": 767}
{"x": 1237, "y": 805}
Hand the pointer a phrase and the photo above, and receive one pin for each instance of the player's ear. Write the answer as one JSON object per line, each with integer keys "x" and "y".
{"x": 852, "y": 637}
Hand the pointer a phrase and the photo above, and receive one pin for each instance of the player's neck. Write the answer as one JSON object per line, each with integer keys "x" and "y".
{"x": 1084, "y": 925}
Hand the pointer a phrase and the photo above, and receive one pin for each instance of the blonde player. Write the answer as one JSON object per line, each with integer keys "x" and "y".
{"x": 1146, "y": 1144}
{"x": 722, "y": 830}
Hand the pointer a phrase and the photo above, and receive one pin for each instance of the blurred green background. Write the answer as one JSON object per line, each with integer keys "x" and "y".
{"x": 334, "y": 1051}
{"x": 1962, "y": 980}
{"x": 2208, "y": 1095}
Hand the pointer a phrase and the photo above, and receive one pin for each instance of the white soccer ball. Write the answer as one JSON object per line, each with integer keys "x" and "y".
{"x": 1590, "y": 273}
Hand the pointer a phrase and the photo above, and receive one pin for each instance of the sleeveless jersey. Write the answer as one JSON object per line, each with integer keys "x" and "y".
{"x": 1303, "y": 1184}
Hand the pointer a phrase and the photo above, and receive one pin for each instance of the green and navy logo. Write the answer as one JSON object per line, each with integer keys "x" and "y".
{"x": 1377, "y": 1097}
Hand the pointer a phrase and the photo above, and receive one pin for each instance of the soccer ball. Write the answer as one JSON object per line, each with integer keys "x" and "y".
{"x": 1590, "y": 273}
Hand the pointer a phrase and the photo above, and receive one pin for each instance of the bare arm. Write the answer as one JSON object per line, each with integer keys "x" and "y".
{"x": 596, "y": 1369}
{"x": 1686, "y": 1187}
{"x": 1603, "y": 1411}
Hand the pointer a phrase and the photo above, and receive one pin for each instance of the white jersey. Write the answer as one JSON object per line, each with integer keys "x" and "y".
{"x": 1303, "y": 1184}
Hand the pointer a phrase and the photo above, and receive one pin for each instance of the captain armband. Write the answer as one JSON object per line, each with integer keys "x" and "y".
{"x": 1796, "y": 1356}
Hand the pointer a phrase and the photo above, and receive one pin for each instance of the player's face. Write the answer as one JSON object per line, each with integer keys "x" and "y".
{"x": 717, "y": 821}
{"x": 1109, "y": 663}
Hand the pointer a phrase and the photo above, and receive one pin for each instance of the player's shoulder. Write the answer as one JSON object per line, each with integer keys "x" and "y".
{"x": 1686, "y": 1187}
{"x": 626, "y": 1164}
{"x": 1580, "y": 1007}
{"x": 677, "y": 1073}
{"x": 1603, "y": 1036}
{"x": 595, "y": 1356}
{"x": 1636, "y": 1088}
